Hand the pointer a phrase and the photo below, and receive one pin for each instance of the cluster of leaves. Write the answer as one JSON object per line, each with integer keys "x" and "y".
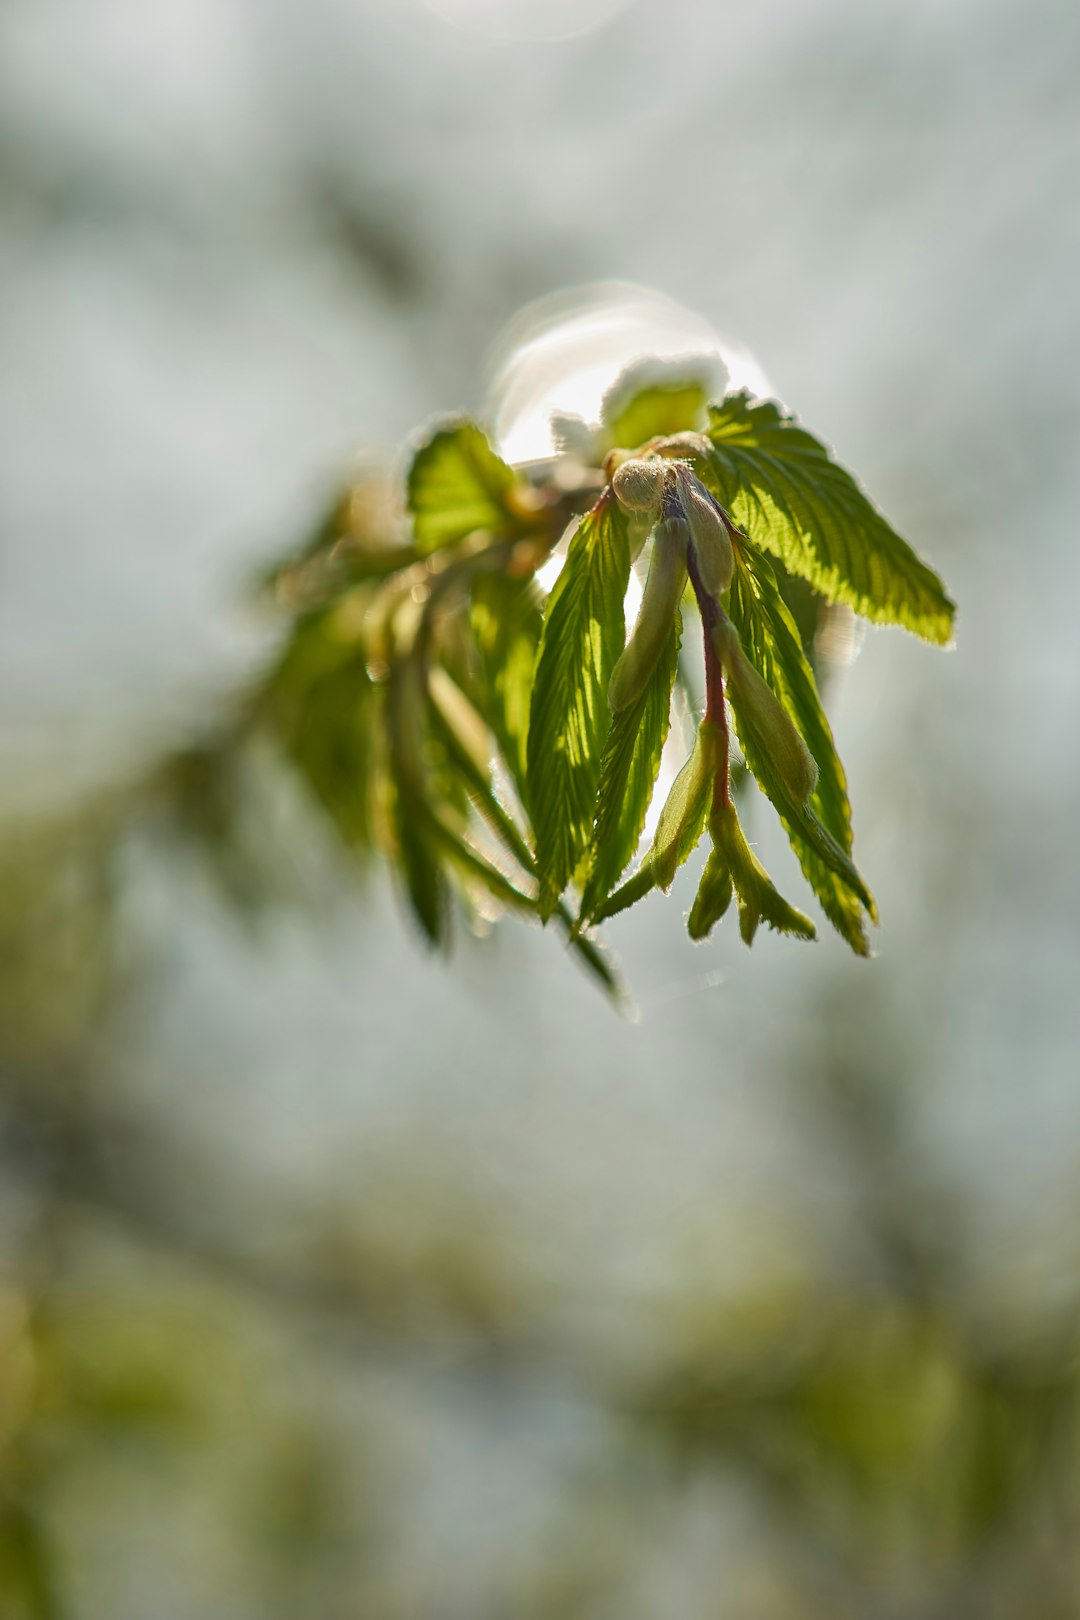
{"x": 452, "y": 714}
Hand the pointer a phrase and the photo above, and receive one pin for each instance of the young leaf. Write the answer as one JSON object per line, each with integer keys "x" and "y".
{"x": 569, "y": 716}
{"x": 654, "y": 412}
{"x": 820, "y": 832}
{"x": 456, "y": 485}
{"x": 628, "y": 777}
{"x": 782, "y": 485}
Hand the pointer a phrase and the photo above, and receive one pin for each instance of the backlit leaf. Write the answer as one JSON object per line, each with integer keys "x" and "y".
{"x": 782, "y": 485}
{"x": 654, "y": 412}
{"x": 456, "y": 485}
{"x": 820, "y": 832}
{"x": 628, "y": 777}
{"x": 569, "y": 717}
{"x": 507, "y": 620}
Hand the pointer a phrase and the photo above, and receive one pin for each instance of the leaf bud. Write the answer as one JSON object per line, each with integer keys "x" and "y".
{"x": 659, "y": 603}
{"x": 639, "y": 485}
{"x": 708, "y": 535}
{"x": 686, "y": 443}
{"x": 682, "y": 820}
{"x": 759, "y": 711}
{"x": 759, "y": 899}
{"x": 713, "y": 896}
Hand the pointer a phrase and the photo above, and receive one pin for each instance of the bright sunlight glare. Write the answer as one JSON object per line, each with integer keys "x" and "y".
{"x": 562, "y": 354}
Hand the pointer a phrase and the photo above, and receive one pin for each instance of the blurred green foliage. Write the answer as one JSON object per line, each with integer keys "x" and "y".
{"x": 883, "y": 1445}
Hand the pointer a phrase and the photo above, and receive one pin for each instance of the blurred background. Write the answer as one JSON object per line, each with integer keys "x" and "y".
{"x": 339, "y": 1282}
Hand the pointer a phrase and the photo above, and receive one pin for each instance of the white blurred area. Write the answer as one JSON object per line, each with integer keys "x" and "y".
{"x": 563, "y": 354}
{"x": 527, "y": 20}
{"x": 241, "y": 242}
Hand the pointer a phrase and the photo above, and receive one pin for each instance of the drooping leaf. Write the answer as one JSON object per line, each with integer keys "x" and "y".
{"x": 323, "y": 708}
{"x": 507, "y": 621}
{"x": 456, "y": 485}
{"x": 569, "y": 716}
{"x": 819, "y": 832}
{"x": 782, "y": 485}
{"x": 772, "y": 643}
{"x": 473, "y": 865}
{"x": 628, "y": 776}
{"x": 417, "y": 861}
{"x": 477, "y": 784}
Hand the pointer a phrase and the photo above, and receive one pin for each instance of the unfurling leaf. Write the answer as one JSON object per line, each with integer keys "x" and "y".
{"x": 634, "y": 415}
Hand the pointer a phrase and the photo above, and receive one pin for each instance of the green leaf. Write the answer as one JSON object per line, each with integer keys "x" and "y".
{"x": 628, "y": 776}
{"x": 456, "y": 485}
{"x": 417, "y": 860}
{"x": 324, "y": 710}
{"x": 771, "y": 641}
{"x": 569, "y": 716}
{"x": 507, "y": 622}
{"x": 425, "y": 885}
{"x": 782, "y": 485}
{"x": 654, "y": 412}
{"x": 820, "y": 832}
